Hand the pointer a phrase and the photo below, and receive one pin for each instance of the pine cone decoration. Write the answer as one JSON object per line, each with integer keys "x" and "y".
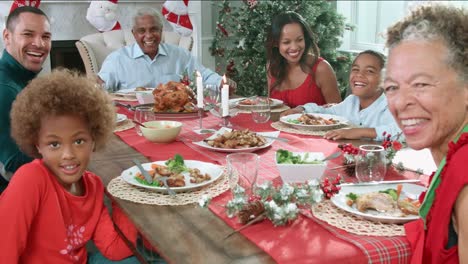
{"x": 250, "y": 211}
{"x": 350, "y": 170}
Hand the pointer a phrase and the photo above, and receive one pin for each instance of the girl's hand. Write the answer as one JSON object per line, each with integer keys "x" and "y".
{"x": 345, "y": 133}
{"x": 296, "y": 110}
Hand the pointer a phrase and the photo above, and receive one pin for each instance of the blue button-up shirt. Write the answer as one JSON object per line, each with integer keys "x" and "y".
{"x": 128, "y": 67}
{"x": 377, "y": 115}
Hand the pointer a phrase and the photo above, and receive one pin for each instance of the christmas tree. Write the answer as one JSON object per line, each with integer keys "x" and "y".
{"x": 241, "y": 30}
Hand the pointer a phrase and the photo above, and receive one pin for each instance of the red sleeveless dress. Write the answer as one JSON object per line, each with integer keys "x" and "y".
{"x": 307, "y": 92}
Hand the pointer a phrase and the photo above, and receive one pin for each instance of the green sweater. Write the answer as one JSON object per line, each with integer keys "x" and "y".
{"x": 13, "y": 78}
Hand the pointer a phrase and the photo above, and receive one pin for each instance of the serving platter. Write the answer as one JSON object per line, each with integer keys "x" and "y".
{"x": 215, "y": 171}
{"x": 222, "y": 130}
{"x": 172, "y": 115}
{"x": 409, "y": 190}
{"x": 291, "y": 120}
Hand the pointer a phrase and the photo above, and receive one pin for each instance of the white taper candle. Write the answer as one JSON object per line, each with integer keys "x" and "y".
{"x": 225, "y": 98}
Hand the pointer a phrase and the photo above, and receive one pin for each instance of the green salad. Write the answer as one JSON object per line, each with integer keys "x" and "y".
{"x": 176, "y": 164}
{"x": 143, "y": 181}
{"x": 293, "y": 121}
{"x": 287, "y": 157}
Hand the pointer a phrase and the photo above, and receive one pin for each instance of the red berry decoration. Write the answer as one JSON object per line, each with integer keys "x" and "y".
{"x": 330, "y": 188}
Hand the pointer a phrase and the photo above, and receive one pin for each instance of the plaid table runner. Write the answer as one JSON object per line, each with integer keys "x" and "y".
{"x": 297, "y": 242}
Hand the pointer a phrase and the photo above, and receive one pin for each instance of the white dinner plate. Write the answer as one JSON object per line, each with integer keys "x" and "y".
{"x": 131, "y": 92}
{"x": 120, "y": 118}
{"x": 222, "y": 130}
{"x": 238, "y": 103}
{"x": 288, "y": 120}
{"x": 215, "y": 171}
{"x": 409, "y": 190}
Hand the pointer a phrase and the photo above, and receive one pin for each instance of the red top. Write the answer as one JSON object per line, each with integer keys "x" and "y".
{"x": 43, "y": 223}
{"x": 308, "y": 92}
{"x": 429, "y": 247}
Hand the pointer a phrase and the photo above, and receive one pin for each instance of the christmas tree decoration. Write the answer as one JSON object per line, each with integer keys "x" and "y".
{"x": 18, "y": 3}
{"x": 176, "y": 13}
{"x": 103, "y": 15}
{"x": 241, "y": 31}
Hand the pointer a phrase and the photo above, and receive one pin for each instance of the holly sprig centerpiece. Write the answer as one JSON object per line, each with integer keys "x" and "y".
{"x": 280, "y": 204}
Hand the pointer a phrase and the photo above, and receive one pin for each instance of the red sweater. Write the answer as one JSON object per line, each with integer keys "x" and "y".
{"x": 42, "y": 223}
{"x": 308, "y": 92}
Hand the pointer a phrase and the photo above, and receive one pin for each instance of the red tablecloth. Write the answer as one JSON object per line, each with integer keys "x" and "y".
{"x": 306, "y": 240}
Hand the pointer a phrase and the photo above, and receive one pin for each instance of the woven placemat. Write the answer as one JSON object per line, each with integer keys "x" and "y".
{"x": 124, "y": 125}
{"x": 338, "y": 218}
{"x": 120, "y": 189}
{"x": 285, "y": 128}
{"x": 273, "y": 110}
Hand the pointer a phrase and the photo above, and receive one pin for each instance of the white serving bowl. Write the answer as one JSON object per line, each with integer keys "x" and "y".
{"x": 300, "y": 173}
{"x": 161, "y": 131}
{"x": 145, "y": 97}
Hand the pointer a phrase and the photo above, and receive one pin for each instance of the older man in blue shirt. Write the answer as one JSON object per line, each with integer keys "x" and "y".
{"x": 148, "y": 63}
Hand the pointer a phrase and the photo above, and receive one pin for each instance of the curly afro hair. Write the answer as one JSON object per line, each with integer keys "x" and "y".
{"x": 433, "y": 22}
{"x": 63, "y": 92}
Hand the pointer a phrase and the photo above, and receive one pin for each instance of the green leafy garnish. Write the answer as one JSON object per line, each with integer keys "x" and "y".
{"x": 352, "y": 196}
{"x": 176, "y": 164}
{"x": 391, "y": 192}
{"x": 143, "y": 181}
{"x": 293, "y": 121}
{"x": 287, "y": 157}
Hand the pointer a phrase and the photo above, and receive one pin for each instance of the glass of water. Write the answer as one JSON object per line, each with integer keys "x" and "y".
{"x": 260, "y": 109}
{"x": 143, "y": 114}
{"x": 371, "y": 164}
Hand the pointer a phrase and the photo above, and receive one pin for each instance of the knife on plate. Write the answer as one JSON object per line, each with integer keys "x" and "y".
{"x": 148, "y": 177}
{"x": 378, "y": 183}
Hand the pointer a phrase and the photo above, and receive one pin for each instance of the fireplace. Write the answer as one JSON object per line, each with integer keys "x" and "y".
{"x": 65, "y": 54}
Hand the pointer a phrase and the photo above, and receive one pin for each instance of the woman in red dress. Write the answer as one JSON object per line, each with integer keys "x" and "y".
{"x": 296, "y": 73}
{"x": 426, "y": 85}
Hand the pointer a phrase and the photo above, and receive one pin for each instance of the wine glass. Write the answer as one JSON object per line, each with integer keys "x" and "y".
{"x": 212, "y": 96}
{"x": 260, "y": 109}
{"x": 371, "y": 163}
{"x": 212, "y": 99}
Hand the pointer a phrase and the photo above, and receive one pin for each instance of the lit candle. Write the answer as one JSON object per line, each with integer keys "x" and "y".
{"x": 225, "y": 97}
{"x": 199, "y": 82}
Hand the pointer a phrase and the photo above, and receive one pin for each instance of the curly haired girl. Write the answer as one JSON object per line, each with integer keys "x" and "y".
{"x": 54, "y": 205}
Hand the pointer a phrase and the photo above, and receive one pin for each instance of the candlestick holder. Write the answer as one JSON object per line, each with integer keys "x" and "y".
{"x": 200, "y": 117}
{"x": 225, "y": 121}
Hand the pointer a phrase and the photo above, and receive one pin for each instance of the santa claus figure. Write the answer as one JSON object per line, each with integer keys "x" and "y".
{"x": 18, "y": 3}
{"x": 103, "y": 15}
{"x": 176, "y": 13}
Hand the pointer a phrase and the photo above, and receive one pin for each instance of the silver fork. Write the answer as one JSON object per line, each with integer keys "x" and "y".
{"x": 164, "y": 180}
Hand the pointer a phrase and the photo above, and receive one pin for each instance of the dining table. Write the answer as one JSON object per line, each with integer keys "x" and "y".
{"x": 190, "y": 233}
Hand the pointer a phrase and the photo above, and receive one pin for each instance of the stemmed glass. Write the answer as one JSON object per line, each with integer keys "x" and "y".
{"x": 371, "y": 163}
{"x": 212, "y": 100}
{"x": 260, "y": 109}
{"x": 212, "y": 96}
